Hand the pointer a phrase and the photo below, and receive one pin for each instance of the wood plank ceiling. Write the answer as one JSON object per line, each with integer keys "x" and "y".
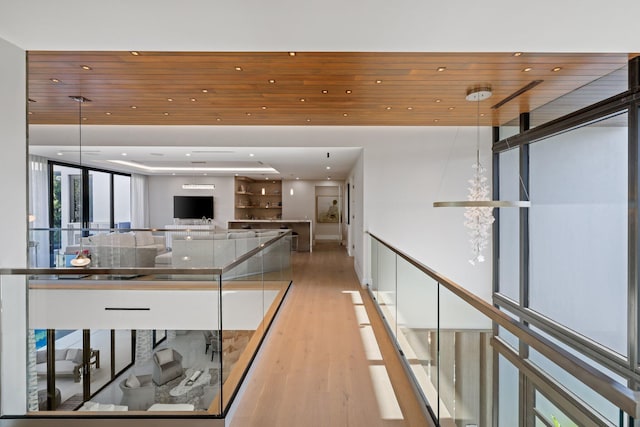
{"x": 308, "y": 88}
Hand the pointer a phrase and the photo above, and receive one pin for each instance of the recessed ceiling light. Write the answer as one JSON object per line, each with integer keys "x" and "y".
{"x": 30, "y": 112}
{"x": 135, "y": 53}
{"x": 85, "y": 67}
{"x": 205, "y": 90}
{"x": 328, "y": 178}
{"x": 59, "y": 153}
{"x": 440, "y": 69}
{"x": 124, "y": 154}
{"x": 108, "y": 113}
{"x": 292, "y": 54}
{"x": 237, "y": 174}
{"x": 192, "y": 99}
{"x": 238, "y": 68}
{"x": 188, "y": 154}
{"x": 297, "y": 177}
{"x": 248, "y": 114}
{"x": 378, "y": 81}
{"x": 165, "y": 113}
{"x": 452, "y": 108}
{"x": 264, "y": 107}
{"x": 218, "y": 119}
{"x": 325, "y": 91}
{"x": 526, "y": 70}
{"x": 436, "y": 120}
{"x": 556, "y": 69}
{"x": 170, "y": 99}
{"x": 84, "y": 118}
{"x": 134, "y": 107}
{"x": 54, "y": 80}
{"x": 328, "y": 167}
{"x": 348, "y": 91}
{"x": 345, "y": 114}
{"x": 251, "y": 154}
{"x": 272, "y": 81}
{"x": 266, "y": 178}
{"x": 517, "y": 54}
{"x": 308, "y": 120}
{"x": 388, "y": 108}
{"x": 409, "y": 108}
{"x": 173, "y": 174}
{"x": 481, "y": 114}
{"x": 302, "y": 100}
{"x": 438, "y": 100}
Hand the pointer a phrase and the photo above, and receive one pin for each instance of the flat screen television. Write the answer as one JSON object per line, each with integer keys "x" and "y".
{"x": 192, "y": 207}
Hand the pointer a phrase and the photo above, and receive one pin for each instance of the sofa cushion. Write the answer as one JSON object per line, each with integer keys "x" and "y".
{"x": 242, "y": 235}
{"x": 61, "y": 354}
{"x": 144, "y": 238}
{"x": 132, "y": 382}
{"x": 74, "y": 355}
{"x": 41, "y": 356}
{"x": 164, "y": 356}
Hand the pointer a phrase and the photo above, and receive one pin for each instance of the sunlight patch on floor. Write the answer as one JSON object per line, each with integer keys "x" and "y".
{"x": 387, "y": 402}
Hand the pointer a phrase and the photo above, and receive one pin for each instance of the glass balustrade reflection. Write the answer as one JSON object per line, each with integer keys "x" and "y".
{"x": 149, "y": 340}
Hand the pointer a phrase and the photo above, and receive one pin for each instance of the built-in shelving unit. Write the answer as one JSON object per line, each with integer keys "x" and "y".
{"x": 257, "y": 199}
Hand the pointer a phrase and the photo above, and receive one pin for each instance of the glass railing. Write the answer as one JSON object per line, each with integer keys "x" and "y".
{"x": 475, "y": 365}
{"x": 129, "y": 322}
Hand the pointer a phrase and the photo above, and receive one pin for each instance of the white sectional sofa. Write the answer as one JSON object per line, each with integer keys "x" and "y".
{"x": 133, "y": 249}
{"x": 219, "y": 249}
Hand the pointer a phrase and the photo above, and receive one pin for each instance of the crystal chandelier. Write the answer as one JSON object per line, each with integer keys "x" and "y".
{"x": 479, "y": 206}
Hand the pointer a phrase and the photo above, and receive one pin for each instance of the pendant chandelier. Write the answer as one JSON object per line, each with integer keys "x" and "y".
{"x": 81, "y": 259}
{"x": 479, "y": 206}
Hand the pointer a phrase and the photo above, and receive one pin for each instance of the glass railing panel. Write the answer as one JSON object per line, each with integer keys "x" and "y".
{"x": 386, "y": 292}
{"x": 510, "y": 339}
{"x": 417, "y": 328}
{"x": 465, "y": 362}
{"x": 547, "y": 413}
{"x": 578, "y": 230}
{"x": 375, "y": 244}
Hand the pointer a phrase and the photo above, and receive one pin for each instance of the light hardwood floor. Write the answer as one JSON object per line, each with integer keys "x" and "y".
{"x": 321, "y": 366}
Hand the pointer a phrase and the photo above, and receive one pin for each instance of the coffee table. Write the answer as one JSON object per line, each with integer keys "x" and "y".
{"x": 188, "y": 390}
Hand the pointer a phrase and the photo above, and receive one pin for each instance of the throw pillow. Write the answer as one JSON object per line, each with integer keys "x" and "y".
{"x": 164, "y": 356}
{"x": 72, "y": 354}
{"x": 144, "y": 238}
{"x": 132, "y": 382}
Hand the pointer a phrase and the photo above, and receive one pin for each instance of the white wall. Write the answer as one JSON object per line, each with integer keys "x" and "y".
{"x": 13, "y": 227}
{"x": 163, "y": 188}
{"x": 405, "y": 171}
{"x": 356, "y": 239}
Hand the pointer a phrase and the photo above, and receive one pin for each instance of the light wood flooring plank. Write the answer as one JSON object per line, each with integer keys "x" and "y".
{"x": 313, "y": 370}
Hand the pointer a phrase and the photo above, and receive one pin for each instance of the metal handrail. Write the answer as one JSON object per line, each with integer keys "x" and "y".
{"x": 623, "y": 397}
{"x": 144, "y": 270}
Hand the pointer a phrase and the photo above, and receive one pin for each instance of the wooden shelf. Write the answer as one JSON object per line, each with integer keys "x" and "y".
{"x": 250, "y": 200}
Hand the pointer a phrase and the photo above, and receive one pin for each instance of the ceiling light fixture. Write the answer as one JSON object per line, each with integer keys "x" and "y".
{"x": 438, "y": 100}
{"x": 205, "y": 90}
{"x": 108, "y": 113}
{"x": 272, "y": 81}
{"x": 302, "y": 100}
{"x": 479, "y": 213}
{"x": 188, "y": 154}
{"x": 166, "y": 113}
{"x": 133, "y": 107}
{"x": 328, "y": 167}
{"x": 86, "y": 67}
{"x": 378, "y": 81}
{"x": 409, "y": 108}
{"x": 192, "y": 99}
{"x": 345, "y": 114}
{"x": 325, "y": 91}
{"x": 54, "y": 80}
{"x": 238, "y": 68}
{"x": 198, "y": 186}
{"x": 217, "y": 169}
{"x": 264, "y": 107}
{"x": 124, "y": 154}
{"x": 517, "y": 54}
{"x": 556, "y": 69}
{"x": 170, "y": 99}
{"x": 348, "y": 91}
{"x": 526, "y": 70}
{"x": 441, "y": 69}
{"x": 292, "y": 54}
{"x": 388, "y": 108}
{"x": 81, "y": 260}
{"x": 135, "y": 53}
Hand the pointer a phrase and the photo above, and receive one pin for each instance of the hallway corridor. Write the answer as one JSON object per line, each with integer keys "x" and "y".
{"x": 327, "y": 360}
